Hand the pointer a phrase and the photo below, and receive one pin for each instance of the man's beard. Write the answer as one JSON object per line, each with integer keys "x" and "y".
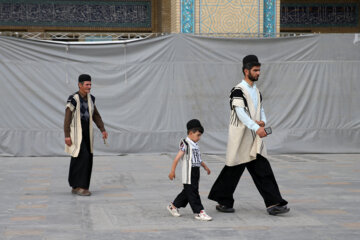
{"x": 252, "y": 78}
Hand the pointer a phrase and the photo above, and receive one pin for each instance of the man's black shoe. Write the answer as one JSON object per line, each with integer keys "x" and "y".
{"x": 225, "y": 209}
{"x": 275, "y": 210}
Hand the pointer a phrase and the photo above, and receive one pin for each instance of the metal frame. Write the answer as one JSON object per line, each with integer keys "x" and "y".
{"x": 108, "y": 37}
{"x": 254, "y": 35}
{"x": 80, "y": 36}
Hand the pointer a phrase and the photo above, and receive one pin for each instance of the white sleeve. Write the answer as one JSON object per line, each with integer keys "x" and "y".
{"x": 262, "y": 115}
{"x": 245, "y": 119}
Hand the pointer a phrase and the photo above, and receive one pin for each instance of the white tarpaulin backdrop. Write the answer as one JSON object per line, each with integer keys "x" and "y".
{"x": 146, "y": 91}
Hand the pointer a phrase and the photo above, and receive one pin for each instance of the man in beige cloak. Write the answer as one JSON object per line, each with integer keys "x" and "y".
{"x": 80, "y": 113}
{"x": 246, "y": 148}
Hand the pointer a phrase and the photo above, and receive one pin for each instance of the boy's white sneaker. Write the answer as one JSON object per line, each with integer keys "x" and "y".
{"x": 203, "y": 216}
{"x": 173, "y": 210}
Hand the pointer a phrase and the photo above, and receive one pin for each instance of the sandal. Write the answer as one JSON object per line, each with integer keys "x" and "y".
{"x": 74, "y": 190}
{"x": 83, "y": 192}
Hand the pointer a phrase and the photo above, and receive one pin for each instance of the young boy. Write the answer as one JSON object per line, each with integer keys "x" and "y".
{"x": 191, "y": 161}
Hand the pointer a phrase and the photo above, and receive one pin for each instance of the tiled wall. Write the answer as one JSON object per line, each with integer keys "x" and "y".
{"x": 78, "y": 14}
{"x": 326, "y": 16}
{"x": 228, "y": 16}
{"x": 237, "y": 16}
{"x": 188, "y": 16}
{"x": 175, "y": 15}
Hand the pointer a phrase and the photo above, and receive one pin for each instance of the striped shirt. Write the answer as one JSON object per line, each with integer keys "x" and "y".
{"x": 196, "y": 156}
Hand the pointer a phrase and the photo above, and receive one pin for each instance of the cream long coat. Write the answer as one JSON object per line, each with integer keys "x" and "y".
{"x": 243, "y": 143}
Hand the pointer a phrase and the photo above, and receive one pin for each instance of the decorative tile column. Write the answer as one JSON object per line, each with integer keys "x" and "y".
{"x": 187, "y": 16}
{"x": 270, "y": 18}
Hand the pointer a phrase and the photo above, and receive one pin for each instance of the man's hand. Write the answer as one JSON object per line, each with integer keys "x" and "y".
{"x": 261, "y": 132}
{"x": 68, "y": 141}
{"x": 105, "y": 135}
{"x": 260, "y": 123}
{"x": 171, "y": 175}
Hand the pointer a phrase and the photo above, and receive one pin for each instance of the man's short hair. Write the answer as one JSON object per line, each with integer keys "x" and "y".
{"x": 249, "y": 62}
{"x": 84, "y": 77}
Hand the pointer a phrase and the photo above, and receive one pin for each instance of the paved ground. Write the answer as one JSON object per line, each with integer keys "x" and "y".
{"x": 130, "y": 194}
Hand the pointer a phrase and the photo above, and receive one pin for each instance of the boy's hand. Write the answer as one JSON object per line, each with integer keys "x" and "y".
{"x": 171, "y": 175}
{"x": 208, "y": 170}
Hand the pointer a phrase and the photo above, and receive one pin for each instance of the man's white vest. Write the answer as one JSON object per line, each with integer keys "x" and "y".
{"x": 75, "y": 126}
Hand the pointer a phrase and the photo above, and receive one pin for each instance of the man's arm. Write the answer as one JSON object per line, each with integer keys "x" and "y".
{"x": 99, "y": 123}
{"x": 262, "y": 115}
{"x": 249, "y": 123}
{"x": 98, "y": 120}
{"x": 67, "y": 122}
{"x": 262, "y": 121}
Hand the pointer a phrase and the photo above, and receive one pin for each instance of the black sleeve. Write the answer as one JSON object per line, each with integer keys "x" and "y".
{"x": 71, "y": 100}
{"x": 237, "y": 93}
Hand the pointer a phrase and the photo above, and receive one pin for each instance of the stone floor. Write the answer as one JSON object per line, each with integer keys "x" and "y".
{"x": 130, "y": 194}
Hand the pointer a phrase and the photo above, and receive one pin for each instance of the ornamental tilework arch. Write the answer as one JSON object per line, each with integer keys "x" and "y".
{"x": 229, "y": 16}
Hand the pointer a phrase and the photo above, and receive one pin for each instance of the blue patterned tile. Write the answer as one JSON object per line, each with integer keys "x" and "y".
{"x": 187, "y": 16}
{"x": 269, "y": 17}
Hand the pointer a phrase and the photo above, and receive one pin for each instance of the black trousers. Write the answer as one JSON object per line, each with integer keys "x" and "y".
{"x": 262, "y": 175}
{"x": 81, "y": 166}
{"x": 190, "y": 193}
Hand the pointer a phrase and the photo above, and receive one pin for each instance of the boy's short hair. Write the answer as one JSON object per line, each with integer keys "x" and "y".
{"x": 194, "y": 125}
